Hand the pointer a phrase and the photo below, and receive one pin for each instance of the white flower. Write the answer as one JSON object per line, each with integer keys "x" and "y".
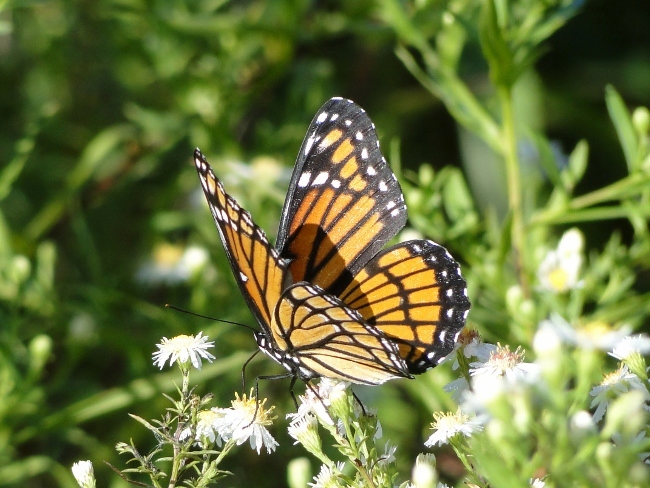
{"x": 613, "y": 385}
{"x": 639, "y": 344}
{"x": 172, "y": 264}
{"x": 205, "y": 430}
{"x": 487, "y": 389}
{"x": 560, "y": 268}
{"x": 182, "y": 349}
{"x": 503, "y": 362}
{"x": 388, "y": 456}
{"x": 318, "y": 401}
{"x": 328, "y": 477}
{"x": 592, "y": 335}
{"x": 448, "y": 425}
{"x": 537, "y": 483}
{"x": 246, "y": 419}
{"x": 457, "y": 387}
{"x": 304, "y": 430}
{"x": 84, "y": 474}
{"x": 424, "y": 474}
{"x": 471, "y": 344}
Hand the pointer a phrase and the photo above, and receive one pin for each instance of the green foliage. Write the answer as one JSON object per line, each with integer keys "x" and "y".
{"x": 102, "y": 223}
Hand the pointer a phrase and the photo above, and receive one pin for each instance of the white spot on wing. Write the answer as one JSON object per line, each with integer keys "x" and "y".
{"x": 321, "y": 178}
{"x": 334, "y": 117}
{"x": 359, "y": 136}
{"x": 321, "y": 118}
{"x": 348, "y": 122}
{"x": 364, "y": 153}
{"x": 244, "y": 278}
{"x": 309, "y": 144}
{"x": 382, "y": 186}
{"x": 371, "y": 170}
{"x": 390, "y": 205}
{"x": 336, "y": 183}
{"x": 395, "y": 213}
{"x": 304, "y": 179}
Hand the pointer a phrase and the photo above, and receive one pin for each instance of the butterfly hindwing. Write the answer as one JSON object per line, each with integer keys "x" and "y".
{"x": 332, "y": 340}
{"x": 344, "y": 203}
{"x": 414, "y": 293}
{"x": 256, "y": 265}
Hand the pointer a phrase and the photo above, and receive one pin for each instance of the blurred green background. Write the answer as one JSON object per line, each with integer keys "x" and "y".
{"x": 101, "y": 105}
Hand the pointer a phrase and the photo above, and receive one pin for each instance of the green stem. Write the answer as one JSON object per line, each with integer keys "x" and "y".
{"x": 577, "y": 209}
{"x": 509, "y": 153}
{"x": 178, "y": 459}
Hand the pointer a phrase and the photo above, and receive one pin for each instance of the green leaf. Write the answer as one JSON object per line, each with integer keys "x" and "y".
{"x": 577, "y": 165}
{"x": 623, "y": 124}
{"x": 547, "y": 158}
{"x": 495, "y": 48}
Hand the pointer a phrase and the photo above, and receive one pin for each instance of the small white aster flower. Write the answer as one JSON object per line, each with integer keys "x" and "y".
{"x": 448, "y": 425}
{"x": 246, "y": 420}
{"x": 424, "y": 474}
{"x": 304, "y": 430}
{"x": 503, "y": 362}
{"x": 328, "y": 476}
{"x": 537, "y": 483}
{"x": 592, "y": 335}
{"x": 560, "y": 268}
{"x": 613, "y": 385}
{"x": 471, "y": 344}
{"x": 183, "y": 349}
{"x": 319, "y": 401}
{"x": 388, "y": 456}
{"x": 84, "y": 474}
{"x": 457, "y": 387}
{"x": 205, "y": 430}
{"x": 637, "y": 344}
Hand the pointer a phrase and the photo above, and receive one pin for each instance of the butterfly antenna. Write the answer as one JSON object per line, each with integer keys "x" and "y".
{"x": 173, "y": 307}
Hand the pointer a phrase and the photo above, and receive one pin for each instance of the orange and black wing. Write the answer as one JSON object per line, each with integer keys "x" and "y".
{"x": 344, "y": 203}
{"x": 415, "y": 295}
{"x": 318, "y": 335}
{"x": 258, "y": 270}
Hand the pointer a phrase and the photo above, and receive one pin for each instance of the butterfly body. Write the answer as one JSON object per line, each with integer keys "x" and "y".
{"x": 328, "y": 300}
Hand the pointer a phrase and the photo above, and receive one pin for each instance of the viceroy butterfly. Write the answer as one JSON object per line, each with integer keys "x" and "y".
{"x": 329, "y": 301}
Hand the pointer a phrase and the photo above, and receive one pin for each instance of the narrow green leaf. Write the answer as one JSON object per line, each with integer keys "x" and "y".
{"x": 494, "y": 46}
{"x": 577, "y": 165}
{"x": 622, "y": 121}
{"x": 546, "y": 158}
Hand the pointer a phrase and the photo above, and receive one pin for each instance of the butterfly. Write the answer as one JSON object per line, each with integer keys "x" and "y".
{"x": 329, "y": 301}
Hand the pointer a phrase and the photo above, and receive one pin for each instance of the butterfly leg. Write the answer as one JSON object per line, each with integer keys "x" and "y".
{"x": 243, "y": 374}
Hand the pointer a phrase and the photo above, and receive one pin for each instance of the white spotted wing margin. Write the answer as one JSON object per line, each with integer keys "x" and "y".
{"x": 256, "y": 266}
{"x": 316, "y": 334}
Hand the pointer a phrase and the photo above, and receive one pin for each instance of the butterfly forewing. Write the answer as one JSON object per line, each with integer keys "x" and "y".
{"x": 344, "y": 203}
{"x": 333, "y": 340}
{"x": 256, "y": 266}
{"x": 414, "y": 293}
